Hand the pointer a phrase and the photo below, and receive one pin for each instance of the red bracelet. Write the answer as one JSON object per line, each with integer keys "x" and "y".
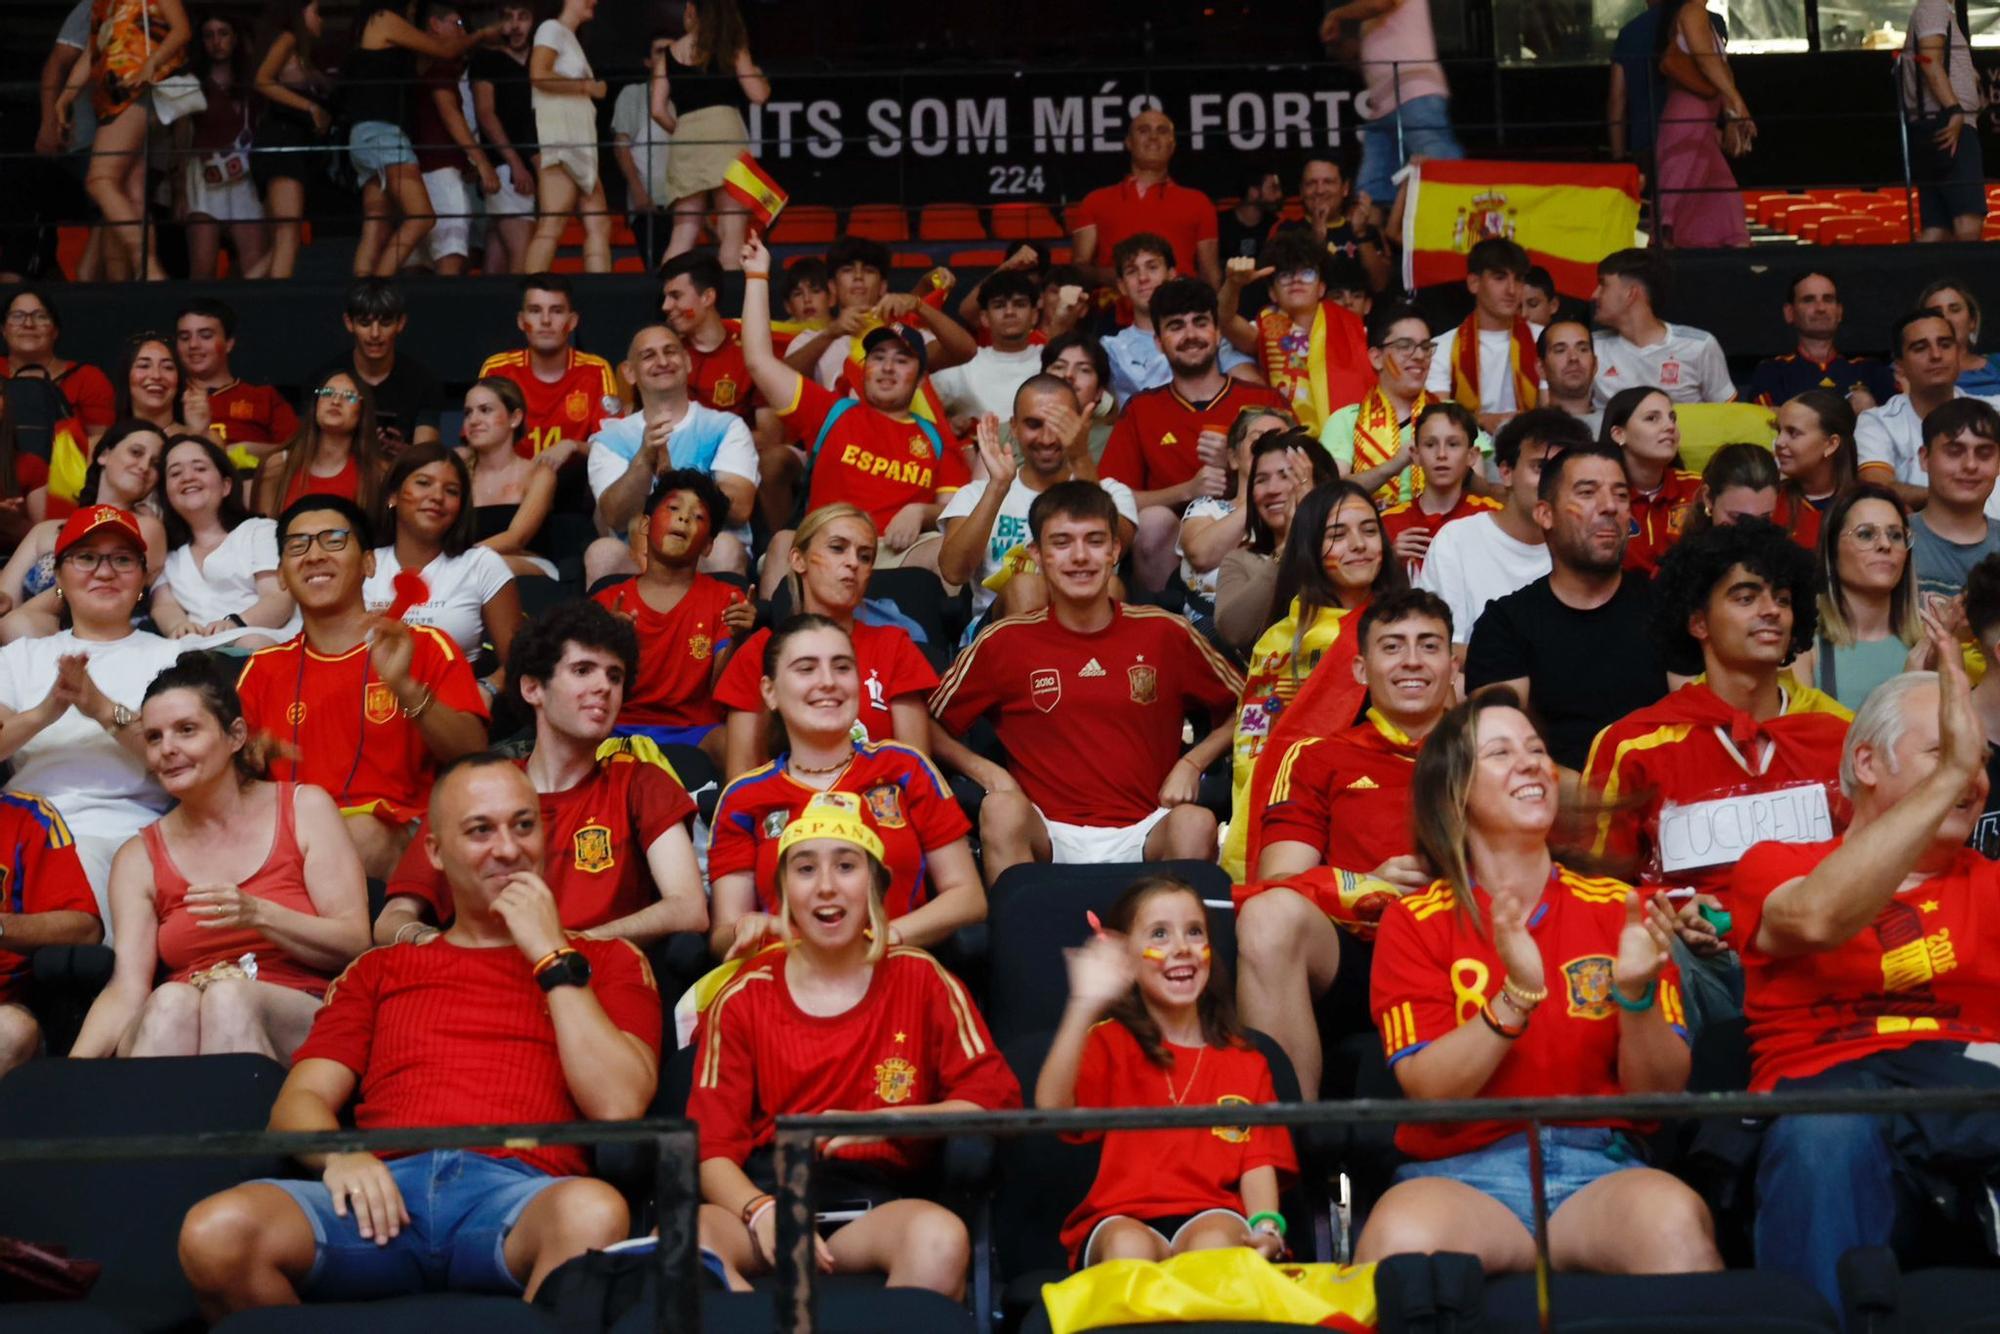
{"x": 1493, "y": 1022}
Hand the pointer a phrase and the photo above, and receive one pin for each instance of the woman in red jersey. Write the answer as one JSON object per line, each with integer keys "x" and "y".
{"x": 1150, "y": 1023}
{"x": 241, "y": 903}
{"x": 1513, "y": 976}
{"x": 335, "y": 453}
{"x": 838, "y": 1020}
{"x": 812, "y": 682}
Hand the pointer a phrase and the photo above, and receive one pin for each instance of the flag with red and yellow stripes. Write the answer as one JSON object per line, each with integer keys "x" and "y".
{"x": 751, "y": 186}
{"x": 1567, "y": 215}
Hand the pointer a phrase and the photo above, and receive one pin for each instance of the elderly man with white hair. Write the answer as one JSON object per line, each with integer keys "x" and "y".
{"x": 1873, "y": 961}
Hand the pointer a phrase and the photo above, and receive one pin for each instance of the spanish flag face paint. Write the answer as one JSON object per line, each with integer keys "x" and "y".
{"x": 1159, "y": 956}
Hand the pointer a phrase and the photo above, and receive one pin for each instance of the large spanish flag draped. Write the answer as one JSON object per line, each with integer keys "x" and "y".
{"x": 1568, "y": 215}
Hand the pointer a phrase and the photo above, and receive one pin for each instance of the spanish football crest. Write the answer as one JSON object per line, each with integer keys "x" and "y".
{"x": 593, "y": 849}
{"x": 380, "y": 704}
{"x": 1588, "y": 982}
{"x": 723, "y": 392}
{"x": 1145, "y": 683}
{"x": 698, "y": 646}
{"x": 1231, "y": 1134}
{"x": 895, "y": 1080}
{"x": 885, "y": 803}
{"x": 576, "y": 407}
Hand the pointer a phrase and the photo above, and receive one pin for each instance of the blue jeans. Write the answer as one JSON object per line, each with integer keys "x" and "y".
{"x": 462, "y": 1205}
{"x": 1426, "y": 131}
{"x": 1572, "y": 1158}
{"x": 375, "y": 146}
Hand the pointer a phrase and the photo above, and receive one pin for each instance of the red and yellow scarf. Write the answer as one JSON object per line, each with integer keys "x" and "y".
{"x": 1521, "y": 359}
{"x": 1378, "y": 434}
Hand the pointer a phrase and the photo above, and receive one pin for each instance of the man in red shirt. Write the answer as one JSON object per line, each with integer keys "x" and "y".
{"x": 1088, "y": 697}
{"x": 620, "y": 858}
{"x": 687, "y": 621}
{"x": 873, "y": 452}
{"x": 1165, "y": 435}
{"x": 365, "y": 706}
{"x": 569, "y": 393}
{"x": 1873, "y": 961}
{"x": 45, "y": 899}
{"x": 1147, "y": 200}
{"x": 505, "y": 1017}
{"x": 255, "y": 416}
{"x": 1336, "y": 845}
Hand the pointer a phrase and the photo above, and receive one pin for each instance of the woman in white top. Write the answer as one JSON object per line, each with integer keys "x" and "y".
{"x": 221, "y": 576}
{"x": 428, "y": 518}
{"x": 68, "y": 700}
{"x": 511, "y": 493}
{"x": 567, "y": 181}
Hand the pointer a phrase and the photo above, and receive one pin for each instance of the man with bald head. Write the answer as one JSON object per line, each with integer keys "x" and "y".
{"x": 1873, "y": 961}
{"x": 670, "y": 430}
{"x": 1147, "y": 200}
{"x": 986, "y": 522}
{"x": 504, "y": 1018}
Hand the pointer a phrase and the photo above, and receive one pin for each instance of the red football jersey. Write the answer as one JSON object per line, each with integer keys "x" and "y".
{"x": 871, "y": 459}
{"x": 1148, "y": 1174}
{"x": 904, "y": 799}
{"x": 1152, "y": 445}
{"x": 1091, "y": 722}
{"x": 677, "y": 651}
{"x": 444, "y": 1036}
{"x": 889, "y": 663}
{"x": 570, "y": 409}
{"x": 597, "y": 835}
{"x": 1181, "y": 216}
{"x": 243, "y": 412}
{"x": 40, "y": 873}
{"x": 1347, "y": 795}
{"x": 1687, "y": 798}
{"x": 1805, "y": 528}
{"x": 1432, "y": 972}
{"x": 720, "y": 379}
{"x": 1927, "y": 969}
{"x": 1658, "y": 518}
{"x": 914, "y": 1038}
{"x": 1400, "y": 519}
{"x": 343, "y": 726}
{"x": 88, "y": 390}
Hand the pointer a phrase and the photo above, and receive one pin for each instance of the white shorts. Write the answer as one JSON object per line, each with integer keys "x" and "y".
{"x": 1090, "y": 1242}
{"x": 1086, "y": 844}
{"x": 510, "y": 202}
{"x": 452, "y": 202}
{"x": 229, "y": 201}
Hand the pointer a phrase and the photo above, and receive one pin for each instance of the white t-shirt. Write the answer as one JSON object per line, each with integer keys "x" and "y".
{"x": 705, "y": 439}
{"x": 1687, "y": 364}
{"x": 632, "y": 117}
{"x": 461, "y": 586}
{"x": 571, "y": 63}
{"x": 101, "y": 789}
{"x": 1471, "y": 562}
{"x": 1893, "y": 433}
{"x": 226, "y": 583}
{"x": 1496, "y": 367}
{"x": 1201, "y": 582}
{"x": 986, "y": 383}
{"x": 1010, "y": 527}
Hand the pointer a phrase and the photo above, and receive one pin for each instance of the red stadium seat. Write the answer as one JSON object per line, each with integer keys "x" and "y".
{"x": 950, "y": 222}
{"x": 622, "y": 236}
{"x": 572, "y": 234}
{"x": 911, "y": 259}
{"x": 805, "y": 224}
{"x": 566, "y": 264}
{"x": 1025, "y": 222}
{"x": 1794, "y": 217}
{"x": 71, "y": 242}
{"x": 1814, "y": 228}
{"x": 879, "y": 222}
{"x": 976, "y": 259}
{"x": 1771, "y": 207}
{"x": 629, "y": 264}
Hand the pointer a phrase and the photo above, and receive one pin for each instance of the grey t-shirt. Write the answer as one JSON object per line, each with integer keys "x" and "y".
{"x": 1942, "y": 566}
{"x": 1937, "y": 18}
{"x": 75, "y": 33}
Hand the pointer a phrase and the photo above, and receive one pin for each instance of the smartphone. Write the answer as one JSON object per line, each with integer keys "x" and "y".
{"x": 843, "y": 1211}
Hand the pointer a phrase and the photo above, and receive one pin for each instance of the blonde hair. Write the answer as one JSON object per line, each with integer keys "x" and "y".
{"x": 816, "y": 522}
{"x": 878, "y": 916}
{"x": 1441, "y": 787}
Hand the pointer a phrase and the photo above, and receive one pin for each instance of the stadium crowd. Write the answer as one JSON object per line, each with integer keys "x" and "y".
{"x": 1526, "y": 747}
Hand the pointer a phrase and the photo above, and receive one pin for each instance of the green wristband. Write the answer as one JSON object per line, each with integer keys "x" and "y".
{"x": 1645, "y": 1001}
{"x": 1278, "y": 1219}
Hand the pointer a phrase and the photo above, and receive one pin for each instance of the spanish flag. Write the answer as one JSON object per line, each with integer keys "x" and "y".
{"x": 1568, "y": 215}
{"x": 751, "y": 186}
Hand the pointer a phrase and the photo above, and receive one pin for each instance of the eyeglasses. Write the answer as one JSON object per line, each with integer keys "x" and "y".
{"x": 337, "y": 395}
{"x": 121, "y": 562}
{"x": 1420, "y": 348}
{"x": 329, "y": 539}
{"x": 27, "y": 318}
{"x": 1298, "y": 276}
{"x": 1868, "y": 534}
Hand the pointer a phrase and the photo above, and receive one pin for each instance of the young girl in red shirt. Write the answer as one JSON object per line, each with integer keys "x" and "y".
{"x": 1150, "y": 1024}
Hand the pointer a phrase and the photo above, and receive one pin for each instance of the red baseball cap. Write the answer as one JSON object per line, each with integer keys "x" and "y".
{"x": 94, "y": 517}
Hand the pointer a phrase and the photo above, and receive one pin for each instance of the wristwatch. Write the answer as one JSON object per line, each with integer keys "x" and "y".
{"x": 122, "y": 717}
{"x": 564, "y": 968}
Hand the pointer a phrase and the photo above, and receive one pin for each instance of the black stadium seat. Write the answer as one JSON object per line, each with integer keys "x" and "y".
{"x": 1881, "y": 1298}
{"x": 432, "y": 1313}
{"x": 1740, "y": 1301}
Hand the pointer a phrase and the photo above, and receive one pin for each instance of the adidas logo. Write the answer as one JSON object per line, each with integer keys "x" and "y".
{"x": 1363, "y": 784}
{"x": 1092, "y": 668}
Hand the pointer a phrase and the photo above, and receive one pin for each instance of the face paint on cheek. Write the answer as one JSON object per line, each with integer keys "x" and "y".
{"x": 1157, "y": 956}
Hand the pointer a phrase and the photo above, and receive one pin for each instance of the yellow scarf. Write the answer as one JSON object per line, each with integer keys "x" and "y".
{"x": 1378, "y": 434}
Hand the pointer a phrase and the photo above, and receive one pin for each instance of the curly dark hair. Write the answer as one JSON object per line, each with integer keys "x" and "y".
{"x": 1692, "y": 569}
{"x": 539, "y": 645}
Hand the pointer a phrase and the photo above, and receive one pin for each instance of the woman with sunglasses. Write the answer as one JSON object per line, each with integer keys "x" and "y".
{"x": 1870, "y": 616}
{"x": 123, "y": 470}
{"x": 335, "y": 453}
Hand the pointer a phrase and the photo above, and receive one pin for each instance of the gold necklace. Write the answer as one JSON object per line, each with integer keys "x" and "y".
{"x": 798, "y": 768}
{"x": 1188, "y": 1087}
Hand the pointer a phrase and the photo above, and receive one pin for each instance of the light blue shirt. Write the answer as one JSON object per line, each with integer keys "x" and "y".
{"x": 1137, "y": 362}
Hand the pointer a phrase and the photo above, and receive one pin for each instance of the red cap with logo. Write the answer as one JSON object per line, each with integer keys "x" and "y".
{"x": 96, "y": 518}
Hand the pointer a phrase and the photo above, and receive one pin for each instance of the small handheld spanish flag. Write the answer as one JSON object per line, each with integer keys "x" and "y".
{"x": 751, "y": 186}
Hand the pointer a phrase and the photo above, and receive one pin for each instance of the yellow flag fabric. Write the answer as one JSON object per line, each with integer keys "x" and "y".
{"x": 1567, "y": 215}
{"x": 1707, "y": 427}
{"x": 1233, "y": 1284}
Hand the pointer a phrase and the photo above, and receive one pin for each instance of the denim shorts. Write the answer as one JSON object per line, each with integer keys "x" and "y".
{"x": 461, "y": 1204}
{"x": 1572, "y": 1158}
{"x": 1949, "y": 185}
{"x": 376, "y": 146}
{"x": 1426, "y": 132}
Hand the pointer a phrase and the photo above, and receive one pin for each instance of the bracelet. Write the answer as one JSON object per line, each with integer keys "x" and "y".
{"x": 756, "y": 275}
{"x": 1266, "y": 1216}
{"x": 754, "y": 1206}
{"x": 548, "y": 960}
{"x": 399, "y": 938}
{"x": 1493, "y": 1022}
{"x": 236, "y": 621}
{"x": 1521, "y": 996}
{"x": 1645, "y": 1001}
{"x": 413, "y": 714}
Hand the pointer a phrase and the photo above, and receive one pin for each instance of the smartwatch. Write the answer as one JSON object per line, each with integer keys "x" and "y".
{"x": 564, "y": 968}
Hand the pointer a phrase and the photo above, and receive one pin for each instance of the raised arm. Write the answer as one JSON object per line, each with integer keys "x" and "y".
{"x": 1100, "y": 973}
{"x": 777, "y": 382}
{"x": 1241, "y": 333}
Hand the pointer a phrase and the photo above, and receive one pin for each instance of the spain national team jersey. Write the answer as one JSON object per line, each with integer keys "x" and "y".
{"x": 39, "y": 872}
{"x": 914, "y": 1038}
{"x": 1346, "y": 795}
{"x": 1152, "y": 445}
{"x": 341, "y": 727}
{"x": 572, "y": 408}
{"x": 1927, "y": 969}
{"x": 1091, "y": 722}
{"x": 1658, "y": 518}
{"x": 904, "y": 799}
{"x": 596, "y": 837}
{"x": 1687, "y": 785}
{"x": 889, "y": 663}
{"x": 256, "y": 413}
{"x": 1401, "y": 518}
{"x": 677, "y": 652}
{"x": 1161, "y": 1174}
{"x": 720, "y": 378}
{"x": 1432, "y": 972}
{"x": 869, "y": 458}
